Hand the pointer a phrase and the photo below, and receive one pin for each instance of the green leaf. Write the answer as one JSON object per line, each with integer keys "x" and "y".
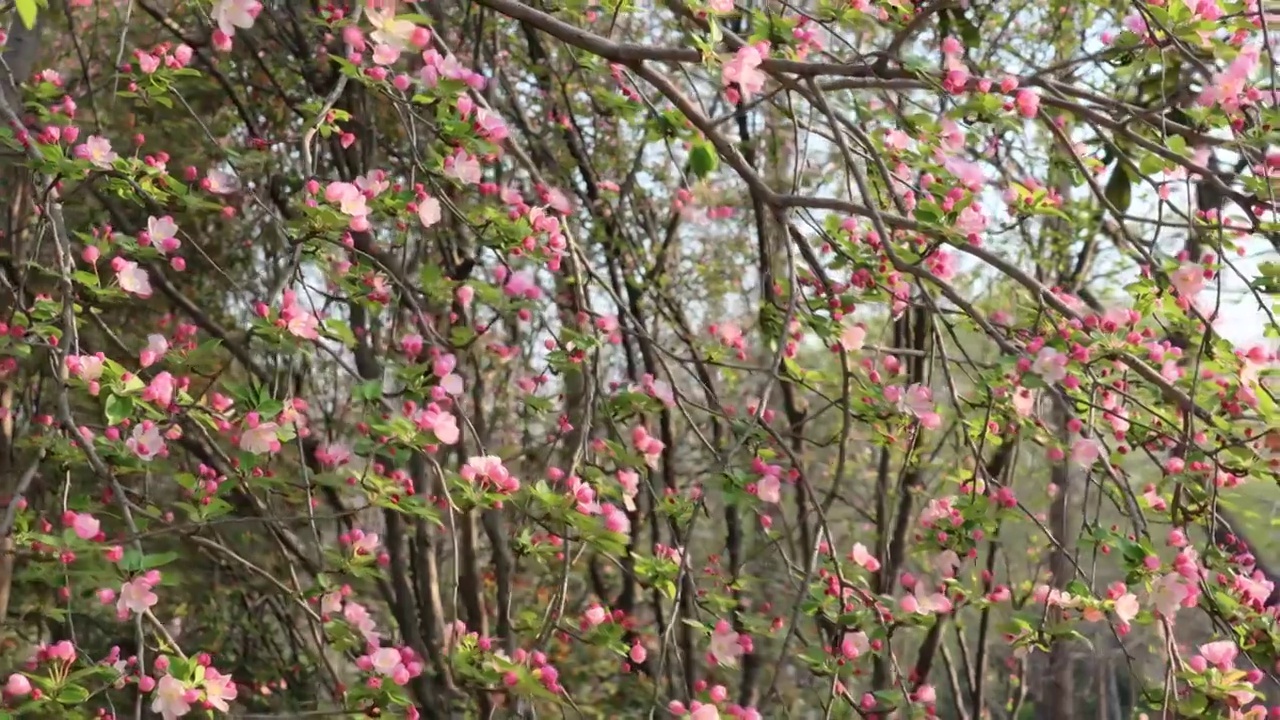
{"x": 71, "y": 694}
{"x": 1119, "y": 190}
{"x": 117, "y": 408}
{"x": 703, "y": 159}
{"x": 27, "y": 12}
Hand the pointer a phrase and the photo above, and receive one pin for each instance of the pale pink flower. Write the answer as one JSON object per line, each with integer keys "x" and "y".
{"x": 429, "y": 211}
{"x": 1028, "y": 103}
{"x": 441, "y": 423}
{"x": 864, "y": 558}
{"x": 1188, "y": 280}
{"x": 145, "y": 441}
{"x": 1168, "y": 594}
{"x": 222, "y": 183}
{"x": 852, "y": 337}
{"x": 1126, "y": 607}
{"x": 135, "y": 598}
{"x": 595, "y": 615}
{"x": 388, "y": 30}
{"x": 18, "y": 685}
{"x": 463, "y": 167}
{"x": 97, "y": 150}
{"x": 232, "y": 14}
{"x": 219, "y": 689}
{"x": 163, "y": 233}
{"x": 854, "y": 645}
{"x": 769, "y": 489}
{"x": 261, "y": 440}
{"x": 705, "y": 711}
{"x": 133, "y": 279}
{"x": 1085, "y": 452}
{"x": 1050, "y": 365}
{"x": 488, "y": 470}
{"x": 86, "y": 526}
{"x": 726, "y": 646}
{"x": 1220, "y": 654}
{"x": 157, "y": 346}
{"x": 630, "y": 482}
{"x": 744, "y": 70}
{"x": 170, "y": 698}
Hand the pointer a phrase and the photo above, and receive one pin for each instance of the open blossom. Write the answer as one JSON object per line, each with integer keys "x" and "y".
{"x": 261, "y": 439}
{"x": 441, "y": 423}
{"x": 135, "y": 598}
{"x": 222, "y": 183}
{"x": 630, "y": 482}
{"x": 1188, "y": 280}
{"x": 86, "y": 367}
{"x": 864, "y": 558}
{"x": 1050, "y": 365}
{"x": 916, "y": 400}
{"x": 1227, "y": 87}
{"x": 133, "y": 279}
{"x": 97, "y": 150}
{"x": 442, "y": 368}
{"x": 769, "y": 489}
{"x": 232, "y": 14}
{"x": 157, "y": 346}
{"x": 298, "y": 321}
{"x": 1085, "y": 452}
{"x": 489, "y": 471}
{"x": 388, "y": 30}
{"x": 854, "y": 645}
{"x": 351, "y": 201}
{"x": 171, "y": 698}
{"x": 1220, "y": 654}
{"x": 726, "y": 645}
{"x": 145, "y": 441}
{"x": 1126, "y": 607}
{"x": 744, "y": 70}
{"x": 85, "y": 525}
{"x": 463, "y": 167}
{"x": 852, "y": 337}
{"x": 219, "y": 689}
{"x": 429, "y": 211}
{"x": 163, "y": 233}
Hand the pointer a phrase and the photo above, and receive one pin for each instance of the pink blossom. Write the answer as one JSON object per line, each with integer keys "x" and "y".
{"x": 222, "y": 183}
{"x": 726, "y": 646}
{"x": 854, "y": 645}
{"x": 463, "y": 167}
{"x": 145, "y": 441}
{"x": 97, "y": 150}
{"x": 219, "y": 689}
{"x": 1220, "y": 654}
{"x": 135, "y": 598}
{"x": 161, "y": 389}
{"x": 630, "y": 482}
{"x": 163, "y": 233}
{"x": 1050, "y": 365}
{"x": 170, "y": 698}
{"x": 157, "y": 346}
{"x": 1085, "y": 452}
{"x": 429, "y": 211}
{"x": 852, "y": 337}
{"x": 1126, "y": 607}
{"x": 232, "y": 14}
{"x": 133, "y": 279}
{"x": 768, "y": 489}
{"x": 17, "y": 686}
{"x": 262, "y": 439}
{"x": 595, "y": 615}
{"x": 864, "y": 558}
{"x": 489, "y": 471}
{"x": 1028, "y": 103}
{"x": 744, "y": 70}
{"x": 1188, "y": 280}
{"x": 86, "y": 526}
{"x": 441, "y": 423}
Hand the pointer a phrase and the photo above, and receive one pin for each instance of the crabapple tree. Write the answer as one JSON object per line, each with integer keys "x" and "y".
{"x": 638, "y": 358}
